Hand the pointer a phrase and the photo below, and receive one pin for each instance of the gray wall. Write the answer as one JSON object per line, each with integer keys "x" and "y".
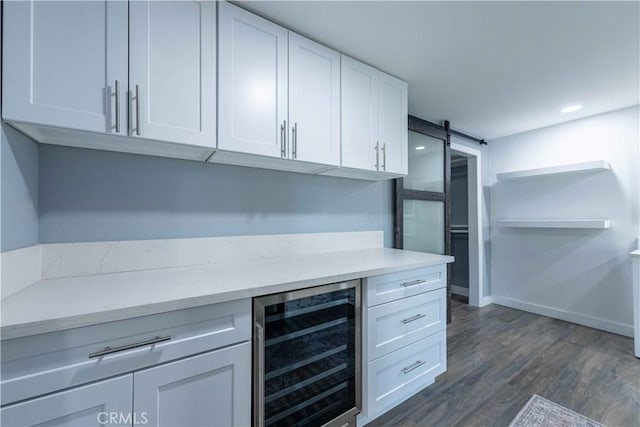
{"x": 580, "y": 275}
{"x": 19, "y": 190}
{"x": 87, "y": 195}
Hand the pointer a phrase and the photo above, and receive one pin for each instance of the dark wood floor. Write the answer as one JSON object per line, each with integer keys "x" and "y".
{"x": 499, "y": 357}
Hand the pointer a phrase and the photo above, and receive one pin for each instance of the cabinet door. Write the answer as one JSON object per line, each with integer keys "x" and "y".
{"x": 212, "y": 389}
{"x": 173, "y": 71}
{"x": 314, "y": 101}
{"x": 61, "y": 62}
{"x": 359, "y": 115}
{"x": 393, "y": 124}
{"x": 90, "y": 405}
{"x": 252, "y": 83}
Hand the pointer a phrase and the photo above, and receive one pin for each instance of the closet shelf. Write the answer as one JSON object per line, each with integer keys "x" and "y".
{"x": 595, "y": 166}
{"x": 557, "y": 223}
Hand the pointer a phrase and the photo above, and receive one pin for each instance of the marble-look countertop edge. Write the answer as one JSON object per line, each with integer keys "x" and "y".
{"x": 23, "y": 329}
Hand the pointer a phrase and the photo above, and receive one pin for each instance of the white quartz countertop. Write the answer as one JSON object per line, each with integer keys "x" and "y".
{"x": 636, "y": 253}
{"x": 63, "y": 303}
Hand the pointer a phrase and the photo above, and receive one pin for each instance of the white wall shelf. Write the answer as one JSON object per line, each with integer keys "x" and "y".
{"x": 557, "y": 223}
{"x": 595, "y": 166}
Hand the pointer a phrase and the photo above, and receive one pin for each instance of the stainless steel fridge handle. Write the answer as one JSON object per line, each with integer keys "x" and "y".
{"x": 260, "y": 397}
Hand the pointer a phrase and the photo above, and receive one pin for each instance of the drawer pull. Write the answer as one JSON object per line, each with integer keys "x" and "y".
{"x": 413, "y": 366}
{"x": 413, "y": 283}
{"x": 110, "y": 350}
{"x": 413, "y": 318}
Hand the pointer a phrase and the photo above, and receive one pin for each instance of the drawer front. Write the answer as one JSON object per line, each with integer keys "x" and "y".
{"x": 394, "y": 286}
{"x": 40, "y": 364}
{"x": 393, "y": 378}
{"x": 399, "y": 323}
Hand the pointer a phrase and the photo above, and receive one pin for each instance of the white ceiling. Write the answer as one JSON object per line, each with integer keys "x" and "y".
{"x": 491, "y": 68}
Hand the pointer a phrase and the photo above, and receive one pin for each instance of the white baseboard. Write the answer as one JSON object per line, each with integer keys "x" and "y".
{"x": 488, "y": 300}
{"x": 459, "y": 290}
{"x": 580, "y": 319}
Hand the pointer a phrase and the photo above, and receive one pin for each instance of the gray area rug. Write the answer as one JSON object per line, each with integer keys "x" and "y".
{"x": 540, "y": 412}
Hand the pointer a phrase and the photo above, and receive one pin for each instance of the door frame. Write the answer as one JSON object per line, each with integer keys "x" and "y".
{"x": 477, "y": 260}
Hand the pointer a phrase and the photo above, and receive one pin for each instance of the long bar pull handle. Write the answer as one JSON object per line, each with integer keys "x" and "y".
{"x": 413, "y": 366}
{"x": 384, "y": 156}
{"x": 413, "y": 318}
{"x": 413, "y": 283}
{"x": 283, "y": 147}
{"x": 111, "y": 350}
{"x": 294, "y": 132}
{"x": 117, "y": 106}
{"x": 377, "y": 147}
{"x": 259, "y": 416}
{"x": 286, "y": 149}
{"x": 138, "y": 110}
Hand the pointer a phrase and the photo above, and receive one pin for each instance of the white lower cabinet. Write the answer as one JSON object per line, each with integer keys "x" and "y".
{"x": 396, "y": 324}
{"x": 211, "y": 389}
{"x": 397, "y": 376}
{"x": 189, "y": 367}
{"x": 100, "y": 403}
{"x": 404, "y": 337}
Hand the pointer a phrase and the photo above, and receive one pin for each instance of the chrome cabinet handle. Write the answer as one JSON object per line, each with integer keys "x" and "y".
{"x": 286, "y": 148}
{"x": 294, "y": 134}
{"x": 413, "y": 318}
{"x": 259, "y": 417}
{"x": 117, "y": 106}
{"x": 413, "y": 283}
{"x": 377, "y": 147}
{"x": 282, "y": 146}
{"x": 384, "y": 156}
{"x": 138, "y": 110}
{"x": 110, "y": 350}
{"x": 413, "y": 366}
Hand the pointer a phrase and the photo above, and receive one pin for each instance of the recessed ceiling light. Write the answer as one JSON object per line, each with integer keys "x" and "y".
{"x": 420, "y": 147}
{"x": 571, "y": 108}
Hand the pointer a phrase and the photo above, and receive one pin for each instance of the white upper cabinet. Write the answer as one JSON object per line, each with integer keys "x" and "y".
{"x": 314, "y": 101}
{"x": 393, "y": 124}
{"x": 374, "y": 119}
{"x": 359, "y": 115}
{"x": 252, "y": 83}
{"x": 172, "y": 69}
{"x": 62, "y": 63}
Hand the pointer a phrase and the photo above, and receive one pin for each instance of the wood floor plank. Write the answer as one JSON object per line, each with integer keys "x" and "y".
{"x": 498, "y": 357}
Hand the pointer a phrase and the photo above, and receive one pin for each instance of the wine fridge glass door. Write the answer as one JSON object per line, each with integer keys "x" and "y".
{"x": 307, "y": 356}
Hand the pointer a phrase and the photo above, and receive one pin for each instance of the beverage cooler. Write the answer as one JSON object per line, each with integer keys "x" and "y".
{"x": 307, "y": 357}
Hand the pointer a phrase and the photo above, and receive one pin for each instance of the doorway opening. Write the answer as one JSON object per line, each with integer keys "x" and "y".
{"x": 467, "y": 236}
{"x": 459, "y": 228}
